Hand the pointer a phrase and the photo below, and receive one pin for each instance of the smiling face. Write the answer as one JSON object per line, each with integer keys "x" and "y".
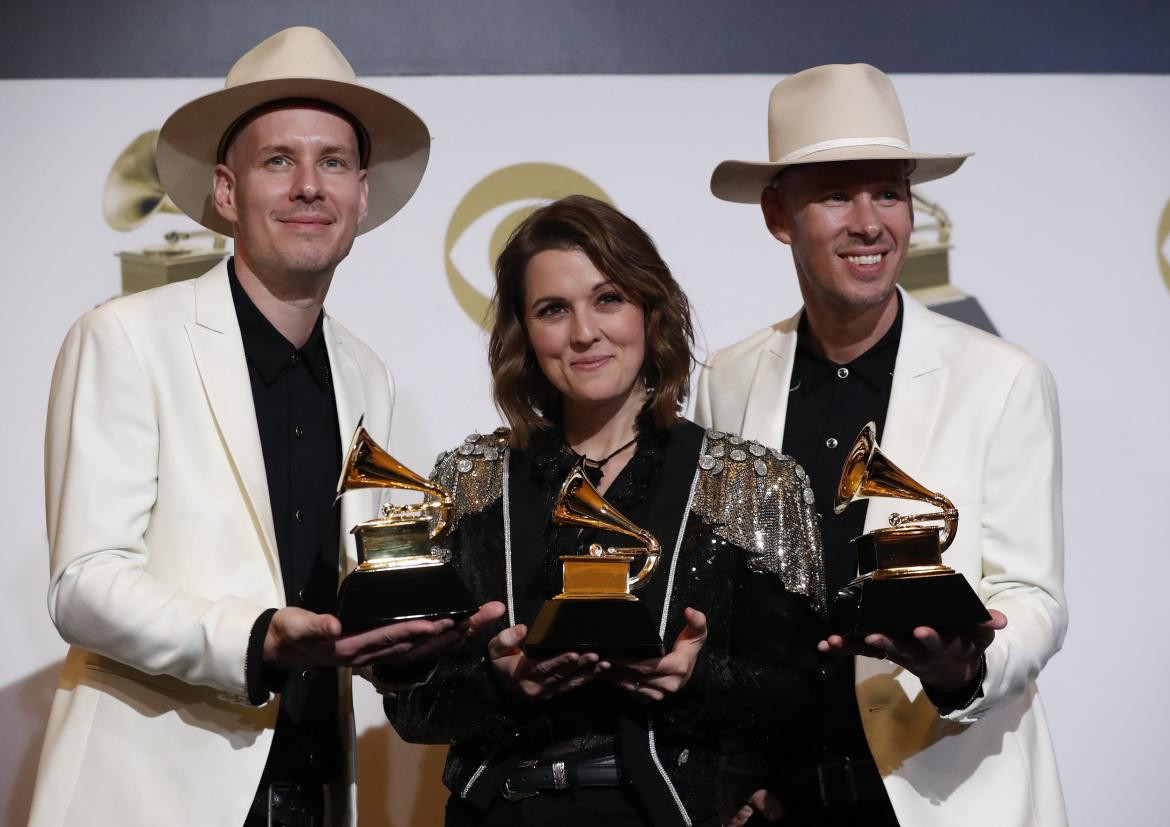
{"x": 292, "y": 186}
{"x": 588, "y": 338}
{"x": 849, "y": 226}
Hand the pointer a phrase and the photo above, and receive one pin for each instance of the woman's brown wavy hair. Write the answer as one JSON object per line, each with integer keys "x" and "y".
{"x": 622, "y": 251}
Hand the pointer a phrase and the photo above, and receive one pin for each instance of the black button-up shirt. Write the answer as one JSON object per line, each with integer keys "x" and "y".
{"x": 296, "y": 414}
{"x": 828, "y": 405}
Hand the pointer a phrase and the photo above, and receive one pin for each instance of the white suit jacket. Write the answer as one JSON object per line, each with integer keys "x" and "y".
{"x": 976, "y": 418}
{"x": 163, "y": 554}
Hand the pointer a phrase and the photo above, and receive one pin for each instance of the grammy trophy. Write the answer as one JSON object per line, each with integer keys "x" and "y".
{"x": 402, "y": 572}
{"x": 901, "y": 582}
{"x": 595, "y": 611}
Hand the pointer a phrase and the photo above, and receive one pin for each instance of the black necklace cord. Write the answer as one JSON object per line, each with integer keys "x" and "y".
{"x": 598, "y": 463}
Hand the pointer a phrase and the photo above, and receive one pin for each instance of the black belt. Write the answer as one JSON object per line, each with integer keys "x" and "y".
{"x": 836, "y": 781}
{"x": 534, "y": 777}
{"x": 288, "y": 804}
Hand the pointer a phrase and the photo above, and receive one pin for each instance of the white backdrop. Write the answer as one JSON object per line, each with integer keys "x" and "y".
{"x": 1056, "y": 233}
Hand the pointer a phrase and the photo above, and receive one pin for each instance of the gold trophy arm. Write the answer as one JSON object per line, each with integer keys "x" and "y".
{"x": 949, "y": 515}
{"x": 653, "y": 552}
{"x": 446, "y": 505}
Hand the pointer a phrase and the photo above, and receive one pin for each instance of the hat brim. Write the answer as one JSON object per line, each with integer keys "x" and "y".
{"x": 743, "y": 181}
{"x": 187, "y": 144}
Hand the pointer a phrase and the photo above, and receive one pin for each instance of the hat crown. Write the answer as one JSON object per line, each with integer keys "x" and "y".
{"x": 834, "y": 103}
{"x": 297, "y": 52}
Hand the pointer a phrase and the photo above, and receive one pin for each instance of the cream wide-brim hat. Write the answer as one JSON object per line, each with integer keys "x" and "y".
{"x": 839, "y": 112}
{"x": 297, "y": 63}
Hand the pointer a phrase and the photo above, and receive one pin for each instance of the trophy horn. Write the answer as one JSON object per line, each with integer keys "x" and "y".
{"x": 581, "y": 504}
{"x": 870, "y": 473}
{"x": 368, "y": 465}
{"x": 133, "y": 191}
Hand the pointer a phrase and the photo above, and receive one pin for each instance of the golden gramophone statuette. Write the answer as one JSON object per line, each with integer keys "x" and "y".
{"x": 402, "y": 574}
{"x": 901, "y": 582}
{"x": 595, "y": 611}
{"x": 133, "y": 193}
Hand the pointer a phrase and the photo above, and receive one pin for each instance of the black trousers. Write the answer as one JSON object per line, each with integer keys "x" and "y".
{"x": 581, "y": 807}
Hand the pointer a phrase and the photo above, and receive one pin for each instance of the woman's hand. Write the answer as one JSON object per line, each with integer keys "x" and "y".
{"x": 655, "y": 678}
{"x": 539, "y": 679}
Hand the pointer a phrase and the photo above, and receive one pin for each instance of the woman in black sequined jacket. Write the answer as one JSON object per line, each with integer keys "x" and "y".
{"x": 591, "y": 352}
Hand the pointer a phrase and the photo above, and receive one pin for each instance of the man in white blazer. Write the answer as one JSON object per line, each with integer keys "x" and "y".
{"x": 170, "y": 575}
{"x": 951, "y": 725}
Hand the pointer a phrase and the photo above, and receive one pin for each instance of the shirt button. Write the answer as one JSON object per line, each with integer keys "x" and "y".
{"x": 301, "y": 595}
{"x": 830, "y": 443}
{"x": 295, "y": 358}
{"x": 306, "y": 675}
{"x": 842, "y": 373}
{"x": 300, "y": 513}
{"x": 298, "y": 432}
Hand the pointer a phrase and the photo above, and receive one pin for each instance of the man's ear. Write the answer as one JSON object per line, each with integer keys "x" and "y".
{"x": 223, "y": 193}
{"x": 910, "y": 203}
{"x": 364, "y": 202}
{"x": 775, "y": 214}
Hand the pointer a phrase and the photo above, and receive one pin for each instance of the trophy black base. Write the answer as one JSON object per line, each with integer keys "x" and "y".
{"x": 896, "y": 606}
{"x": 611, "y": 628}
{"x": 369, "y": 599}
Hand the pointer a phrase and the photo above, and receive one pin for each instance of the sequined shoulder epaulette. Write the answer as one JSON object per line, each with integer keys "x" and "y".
{"x": 760, "y": 500}
{"x": 474, "y": 471}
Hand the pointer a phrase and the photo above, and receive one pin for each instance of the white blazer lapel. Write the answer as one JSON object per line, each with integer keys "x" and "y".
{"x": 915, "y": 401}
{"x": 219, "y": 354}
{"x": 767, "y": 401}
{"x": 350, "y": 395}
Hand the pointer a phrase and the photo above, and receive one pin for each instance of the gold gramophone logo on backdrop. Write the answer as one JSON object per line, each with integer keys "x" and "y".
{"x": 1164, "y": 245}
{"x": 133, "y": 193}
{"x": 927, "y": 272}
{"x": 525, "y": 187}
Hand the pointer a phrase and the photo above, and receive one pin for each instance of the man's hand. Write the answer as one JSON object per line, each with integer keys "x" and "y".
{"x": 297, "y": 637}
{"x": 655, "y": 678}
{"x": 944, "y": 662}
{"x": 539, "y": 679}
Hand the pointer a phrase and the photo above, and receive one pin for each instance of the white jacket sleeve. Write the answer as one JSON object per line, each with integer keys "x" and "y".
{"x": 101, "y": 472}
{"x": 1022, "y": 539}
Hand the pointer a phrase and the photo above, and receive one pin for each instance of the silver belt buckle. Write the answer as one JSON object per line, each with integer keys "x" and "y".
{"x": 560, "y": 779}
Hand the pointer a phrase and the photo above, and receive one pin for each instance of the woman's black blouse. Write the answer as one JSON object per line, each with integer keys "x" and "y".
{"x": 756, "y": 677}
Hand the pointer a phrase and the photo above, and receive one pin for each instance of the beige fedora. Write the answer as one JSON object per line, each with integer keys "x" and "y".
{"x": 300, "y": 62}
{"x": 840, "y": 112}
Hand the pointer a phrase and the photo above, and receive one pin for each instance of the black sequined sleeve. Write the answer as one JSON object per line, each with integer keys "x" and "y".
{"x": 757, "y": 677}
{"x": 462, "y": 700}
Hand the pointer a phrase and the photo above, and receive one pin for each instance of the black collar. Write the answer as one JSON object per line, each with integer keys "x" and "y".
{"x": 266, "y": 348}
{"x": 874, "y": 367}
{"x": 553, "y": 459}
